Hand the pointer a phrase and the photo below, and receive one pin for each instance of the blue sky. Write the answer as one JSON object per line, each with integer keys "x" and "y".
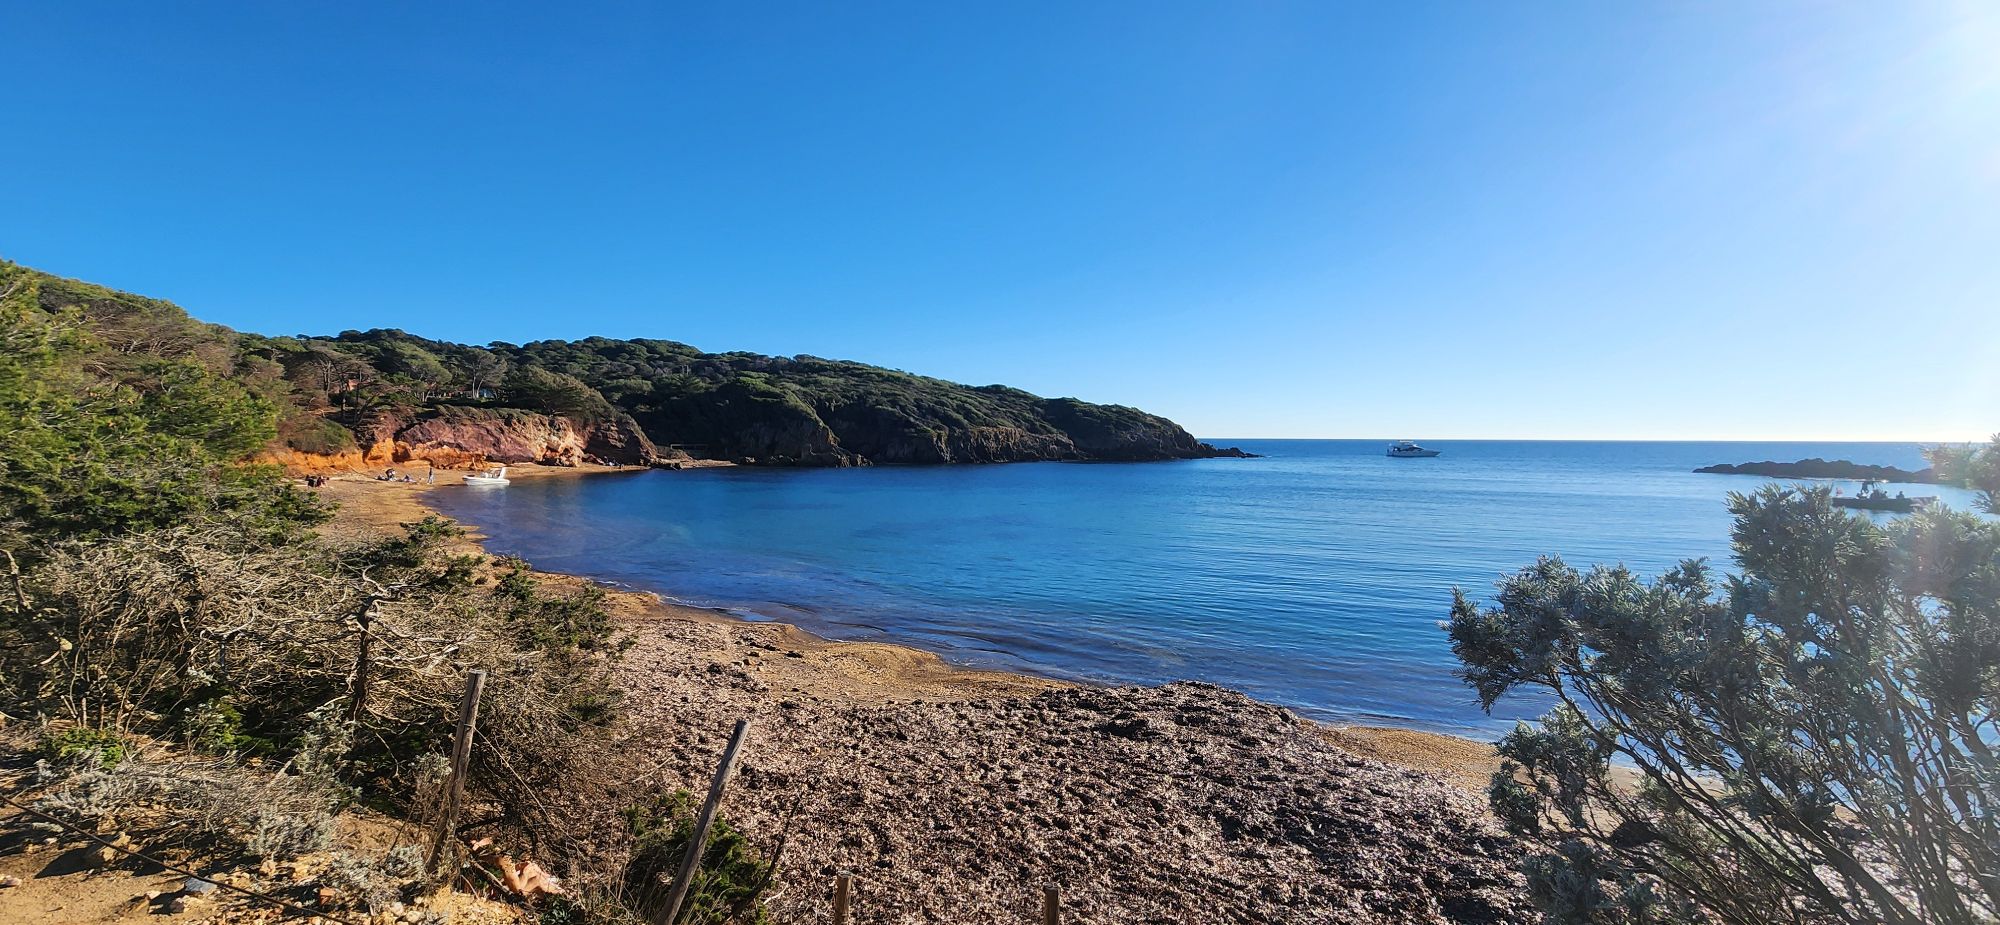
{"x": 1589, "y": 220}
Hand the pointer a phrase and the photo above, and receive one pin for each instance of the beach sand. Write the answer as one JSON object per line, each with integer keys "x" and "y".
{"x": 953, "y": 793}
{"x": 856, "y": 673}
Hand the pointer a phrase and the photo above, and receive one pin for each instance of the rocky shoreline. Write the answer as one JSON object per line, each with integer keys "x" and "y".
{"x": 1170, "y": 804}
{"x": 1816, "y": 468}
{"x": 952, "y": 794}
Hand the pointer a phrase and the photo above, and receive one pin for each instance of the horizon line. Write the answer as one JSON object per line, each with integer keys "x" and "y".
{"x": 1884, "y": 440}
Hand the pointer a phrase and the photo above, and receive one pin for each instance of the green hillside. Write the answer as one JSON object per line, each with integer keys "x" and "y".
{"x": 315, "y": 394}
{"x": 775, "y": 410}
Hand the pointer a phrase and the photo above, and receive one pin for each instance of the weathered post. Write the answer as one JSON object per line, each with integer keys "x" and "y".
{"x": 1051, "y": 904}
{"x": 461, "y": 756}
{"x": 692, "y": 860}
{"x": 359, "y": 701}
{"x": 843, "y": 886}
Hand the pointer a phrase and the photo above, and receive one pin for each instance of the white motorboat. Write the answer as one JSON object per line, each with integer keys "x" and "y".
{"x": 494, "y": 476}
{"x": 1404, "y": 449}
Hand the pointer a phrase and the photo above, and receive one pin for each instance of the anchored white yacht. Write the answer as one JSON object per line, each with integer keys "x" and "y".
{"x": 1404, "y": 449}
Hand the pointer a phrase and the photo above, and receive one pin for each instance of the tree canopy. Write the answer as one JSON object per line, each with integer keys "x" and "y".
{"x": 114, "y": 419}
{"x": 1810, "y": 741}
{"x": 1976, "y": 467}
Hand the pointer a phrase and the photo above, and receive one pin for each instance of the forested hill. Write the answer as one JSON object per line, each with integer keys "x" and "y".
{"x": 384, "y": 395}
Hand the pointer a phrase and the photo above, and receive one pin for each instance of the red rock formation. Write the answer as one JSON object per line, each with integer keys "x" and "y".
{"x": 458, "y": 437}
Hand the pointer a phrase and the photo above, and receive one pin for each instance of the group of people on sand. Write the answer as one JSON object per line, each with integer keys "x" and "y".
{"x": 388, "y": 475}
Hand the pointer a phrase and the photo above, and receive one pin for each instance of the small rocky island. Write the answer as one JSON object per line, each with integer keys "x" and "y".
{"x": 1816, "y": 468}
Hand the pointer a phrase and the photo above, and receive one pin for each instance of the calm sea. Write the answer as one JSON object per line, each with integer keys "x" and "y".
{"x": 1314, "y": 577}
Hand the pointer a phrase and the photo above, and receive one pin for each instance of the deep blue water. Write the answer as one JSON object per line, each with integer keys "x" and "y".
{"x": 1314, "y": 577}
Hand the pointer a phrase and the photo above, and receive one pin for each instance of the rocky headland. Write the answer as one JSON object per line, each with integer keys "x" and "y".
{"x": 382, "y": 397}
{"x": 648, "y": 402}
{"x": 1816, "y": 468}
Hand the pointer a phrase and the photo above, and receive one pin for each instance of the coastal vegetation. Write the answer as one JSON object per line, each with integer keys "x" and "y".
{"x": 1813, "y": 739}
{"x": 183, "y": 650}
{"x": 385, "y": 397}
{"x": 1975, "y": 467}
{"x": 740, "y": 406}
{"x": 181, "y": 639}
{"x": 1810, "y": 740}
{"x": 357, "y": 397}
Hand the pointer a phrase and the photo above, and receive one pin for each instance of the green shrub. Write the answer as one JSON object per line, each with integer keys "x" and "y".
{"x": 217, "y": 726}
{"x": 1976, "y": 467}
{"x": 317, "y": 435}
{"x": 1813, "y": 739}
{"x": 100, "y": 747}
{"x": 552, "y": 622}
{"x": 728, "y": 883}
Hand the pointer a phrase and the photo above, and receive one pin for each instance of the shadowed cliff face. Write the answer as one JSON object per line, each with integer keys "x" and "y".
{"x": 734, "y": 423}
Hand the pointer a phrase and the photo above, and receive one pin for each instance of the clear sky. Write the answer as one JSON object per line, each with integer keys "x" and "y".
{"x": 1536, "y": 219}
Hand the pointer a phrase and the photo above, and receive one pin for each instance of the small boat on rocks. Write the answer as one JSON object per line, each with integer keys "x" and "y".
{"x": 1870, "y": 498}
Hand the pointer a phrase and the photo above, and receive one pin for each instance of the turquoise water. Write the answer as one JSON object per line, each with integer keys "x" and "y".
{"x": 1314, "y": 577}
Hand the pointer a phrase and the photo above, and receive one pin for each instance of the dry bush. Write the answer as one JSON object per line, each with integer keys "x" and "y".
{"x": 374, "y": 883}
{"x": 237, "y": 648}
{"x": 147, "y": 631}
{"x": 213, "y": 803}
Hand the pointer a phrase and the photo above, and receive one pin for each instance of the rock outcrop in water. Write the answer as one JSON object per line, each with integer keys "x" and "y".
{"x": 1816, "y": 468}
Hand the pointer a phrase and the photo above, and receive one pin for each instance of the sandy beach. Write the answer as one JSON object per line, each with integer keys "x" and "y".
{"x": 953, "y": 794}
{"x": 860, "y": 672}
{"x": 844, "y": 671}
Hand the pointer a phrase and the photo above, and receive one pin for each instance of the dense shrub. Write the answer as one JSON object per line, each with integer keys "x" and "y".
{"x": 315, "y": 434}
{"x": 725, "y": 888}
{"x": 1813, "y": 741}
{"x": 1975, "y": 467}
{"x": 97, "y": 747}
{"x": 96, "y": 439}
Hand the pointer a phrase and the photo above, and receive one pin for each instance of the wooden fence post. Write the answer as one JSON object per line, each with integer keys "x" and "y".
{"x": 461, "y": 756}
{"x": 1051, "y": 904}
{"x": 843, "y": 887}
{"x": 692, "y": 861}
{"x": 359, "y": 700}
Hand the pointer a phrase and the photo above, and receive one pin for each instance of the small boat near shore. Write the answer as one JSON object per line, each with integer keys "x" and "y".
{"x": 495, "y": 476}
{"x": 1404, "y": 449}
{"x": 1870, "y": 498}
